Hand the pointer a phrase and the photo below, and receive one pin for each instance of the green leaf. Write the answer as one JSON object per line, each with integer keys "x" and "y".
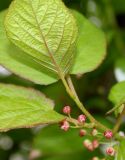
{"x": 45, "y": 30}
{"x": 91, "y": 46}
{"x": 18, "y": 62}
{"x": 24, "y": 108}
{"x": 121, "y": 151}
{"x": 117, "y": 96}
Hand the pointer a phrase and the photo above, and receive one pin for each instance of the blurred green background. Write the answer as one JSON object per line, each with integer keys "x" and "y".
{"x": 49, "y": 143}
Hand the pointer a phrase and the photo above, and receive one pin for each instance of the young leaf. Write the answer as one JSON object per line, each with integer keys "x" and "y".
{"x": 24, "y": 108}
{"x": 44, "y": 29}
{"x": 91, "y": 46}
{"x": 117, "y": 96}
{"x": 18, "y": 62}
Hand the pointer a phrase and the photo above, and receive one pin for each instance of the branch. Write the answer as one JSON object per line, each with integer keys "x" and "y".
{"x": 71, "y": 91}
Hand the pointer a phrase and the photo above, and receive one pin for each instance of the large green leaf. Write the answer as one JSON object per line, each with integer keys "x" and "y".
{"x": 23, "y": 108}
{"x": 117, "y": 96}
{"x": 19, "y": 62}
{"x": 91, "y": 46}
{"x": 121, "y": 151}
{"x": 45, "y": 30}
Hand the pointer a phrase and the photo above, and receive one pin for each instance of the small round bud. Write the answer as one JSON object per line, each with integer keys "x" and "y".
{"x": 95, "y": 158}
{"x": 65, "y": 125}
{"x": 67, "y": 110}
{"x": 110, "y": 151}
{"x": 108, "y": 134}
{"x": 90, "y": 147}
{"x": 81, "y": 118}
{"x": 94, "y": 132}
{"x": 95, "y": 143}
{"x": 82, "y": 132}
{"x": 121, "y": 133}
{"x": 88, "y": 144}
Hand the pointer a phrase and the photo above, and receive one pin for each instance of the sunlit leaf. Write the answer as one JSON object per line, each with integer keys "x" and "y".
{"x": 91, "y": 46}
{"x": 45, "y": 30}
{"x": 19, "y": 62}
{"x": 24, "y": 108}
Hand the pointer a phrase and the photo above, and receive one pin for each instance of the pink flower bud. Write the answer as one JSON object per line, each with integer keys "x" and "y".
{"x": 65, "y": 125}
{"x": 110, "y": 151}
{"x": 94, "y": 132}
{"x": 88, "y": 144}
{"x": 67, "y": 110}
{"x": 108, "y": 134}
{"x": 81, "y": 118}
{"x": 90, "y": 147}
{"x": 82, "y": 132}
{"x": 95, "y": 143}
{"x": 95, "y": 158}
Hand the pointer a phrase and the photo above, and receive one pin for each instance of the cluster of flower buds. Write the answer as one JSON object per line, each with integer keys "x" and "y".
{"x": 91, "y": 145}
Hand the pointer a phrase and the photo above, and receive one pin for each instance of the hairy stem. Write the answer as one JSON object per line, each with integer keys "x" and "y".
{"x": 119, "y": 121}
{"x": 71, "y": 91}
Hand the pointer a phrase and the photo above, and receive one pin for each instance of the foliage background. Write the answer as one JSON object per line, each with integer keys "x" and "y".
{"x": 93, "y": 88}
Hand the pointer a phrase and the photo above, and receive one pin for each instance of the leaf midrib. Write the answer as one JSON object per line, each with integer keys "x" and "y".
{"x": 43, "y": 38}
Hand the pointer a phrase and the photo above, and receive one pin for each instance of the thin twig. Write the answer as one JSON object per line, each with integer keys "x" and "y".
{"x": 71, "y": 91}
{"x": 119, "y": 121}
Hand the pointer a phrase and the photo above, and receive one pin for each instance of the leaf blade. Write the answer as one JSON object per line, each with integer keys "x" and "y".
{"x": 20, "y": 64}
{"x": 91, "y": 46}
{"x": 117, "y": 96}
{"x": 45, "y": 30}
{"x": 24, "y": 108}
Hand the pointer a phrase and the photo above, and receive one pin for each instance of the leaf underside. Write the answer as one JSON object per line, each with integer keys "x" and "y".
{"x": 35, "y": 62}
{"x": 45, "y": 30}
{"x": 24, "y": 108}
{"x": 19, "y": 63}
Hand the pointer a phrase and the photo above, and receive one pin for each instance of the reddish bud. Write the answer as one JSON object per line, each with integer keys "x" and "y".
{"x": 95, "y": 158}
{"x": 67, "y": 110}
{"x": 65, "y": 125}
{"x": 108, "y": 134}
{"x": 88, "y": 144}
{"x": 82, "y": 132}
{"x": 95, "y": 143}
{"x": 94, "y": 132}
{"x": 81, "y": 118}
{"x": 110, "y": 151}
